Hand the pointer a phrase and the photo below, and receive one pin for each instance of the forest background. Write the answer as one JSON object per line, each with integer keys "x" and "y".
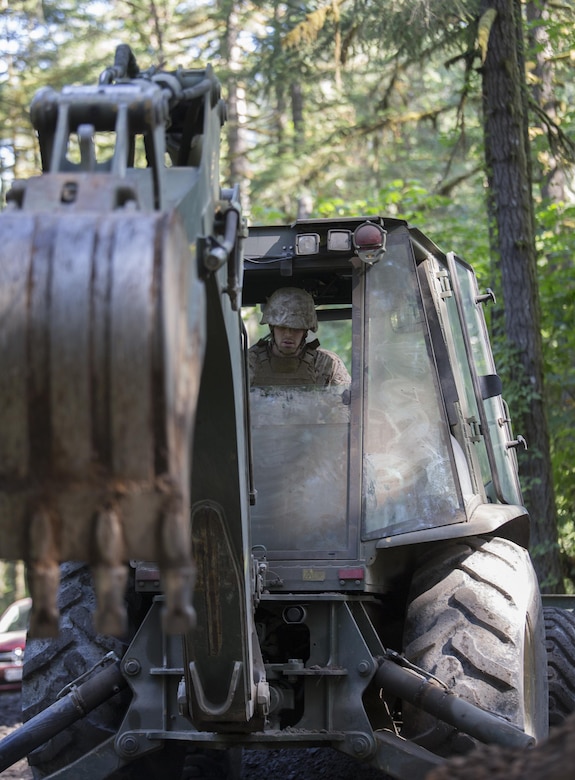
{"x": 351, "y": 107}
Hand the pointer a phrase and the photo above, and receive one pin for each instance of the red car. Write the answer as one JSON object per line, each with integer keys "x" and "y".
{"x": 13, "y": 627}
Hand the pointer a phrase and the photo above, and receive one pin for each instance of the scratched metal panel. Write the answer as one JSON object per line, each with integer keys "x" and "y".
{"x": 69, "y": 324}
{"x": 101, "y": 346}
{"x": 132, "y": 313}
{"x": 15, "y": 260}
{"x": 100, "y": 338}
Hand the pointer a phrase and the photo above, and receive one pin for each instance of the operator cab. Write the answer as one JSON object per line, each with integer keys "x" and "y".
{"x": 340, "y": 471}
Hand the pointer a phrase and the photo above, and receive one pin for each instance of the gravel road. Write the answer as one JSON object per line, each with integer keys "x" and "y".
{"x": 309, "y": 764}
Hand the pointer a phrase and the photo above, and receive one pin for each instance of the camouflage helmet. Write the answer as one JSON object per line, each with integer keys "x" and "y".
{"x": 290, "y": 307}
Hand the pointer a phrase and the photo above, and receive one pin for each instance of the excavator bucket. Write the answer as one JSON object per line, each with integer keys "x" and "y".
{"x": 102, "y": 340}
{"x": 97, "y": 396}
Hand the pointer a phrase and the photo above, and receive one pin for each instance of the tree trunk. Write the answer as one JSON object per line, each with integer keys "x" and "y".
{"x": 552, "y": 175}
{"x": 237, "y": 108}
{"x": 296, "y": 95}
{"x": 509, "y": 172}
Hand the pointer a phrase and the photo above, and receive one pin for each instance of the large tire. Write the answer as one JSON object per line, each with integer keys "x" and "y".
{"x": 560, "y": 640}
{"x": 475, "y": 621}
{"x": 50, "y": 664}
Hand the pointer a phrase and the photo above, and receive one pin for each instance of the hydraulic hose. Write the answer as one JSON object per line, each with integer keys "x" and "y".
{"x": 58, "y": 716}
{"x": 431, "y": 697}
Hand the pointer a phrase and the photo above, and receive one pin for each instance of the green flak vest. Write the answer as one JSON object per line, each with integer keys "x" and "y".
{"x": 292, "y": 371}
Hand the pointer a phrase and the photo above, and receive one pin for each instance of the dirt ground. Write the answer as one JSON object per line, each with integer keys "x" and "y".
{"x": 551, "y": 761}
{"x": 310, "y": 764}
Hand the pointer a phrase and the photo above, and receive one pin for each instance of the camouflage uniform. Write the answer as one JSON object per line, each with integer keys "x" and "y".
{"x": 291, "y": 307}
{"x": 312, "y": 366}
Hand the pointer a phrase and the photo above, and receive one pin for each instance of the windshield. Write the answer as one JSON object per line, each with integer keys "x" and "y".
{"x": 373, "y": 455}
{"x": 301, "y": 457}
{"x": 15, "y": 618}
{"x": 408, "y": 474}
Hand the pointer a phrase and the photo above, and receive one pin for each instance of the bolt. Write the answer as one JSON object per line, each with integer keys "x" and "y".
{"x": 128, "y": 745}
{"x": 364, "y": 668}
{"x": 132, "y": 667}
{"x": 360, "y": 746}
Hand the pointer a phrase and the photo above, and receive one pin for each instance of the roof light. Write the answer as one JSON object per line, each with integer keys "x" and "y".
{"x": 307, "y": 244}
{"x": 339, "y": 240}
{"x": 369, "y": 242}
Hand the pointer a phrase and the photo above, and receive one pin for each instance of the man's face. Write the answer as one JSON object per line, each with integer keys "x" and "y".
{"x": 287, "y": 341}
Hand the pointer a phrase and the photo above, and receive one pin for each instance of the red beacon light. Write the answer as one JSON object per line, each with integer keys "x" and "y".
{"x": 369, "y": 242}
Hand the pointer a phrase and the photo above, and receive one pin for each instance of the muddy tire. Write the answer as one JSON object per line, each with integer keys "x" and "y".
{"x": 50, "y": 664}
{"x": 560, "y": 641}
{"x": 475, "y": 621}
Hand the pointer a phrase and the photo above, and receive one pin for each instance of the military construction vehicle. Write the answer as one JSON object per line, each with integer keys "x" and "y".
{"x": 283, "y": 565}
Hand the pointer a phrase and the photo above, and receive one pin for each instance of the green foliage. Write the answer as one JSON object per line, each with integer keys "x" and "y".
{"x": 371, "y": 113}
{"x": 12, "y": 583}
{"x": 556, "y": 243}
{"x": 518, "y": 390}
{"x": 373, "y": 107}
{"x": 556, "y": 274}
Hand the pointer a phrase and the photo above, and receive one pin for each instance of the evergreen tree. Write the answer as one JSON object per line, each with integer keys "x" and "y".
{"x": 361, "y": 106}
{"x": 505, "y": 105}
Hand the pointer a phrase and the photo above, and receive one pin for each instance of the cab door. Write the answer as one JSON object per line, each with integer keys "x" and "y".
{"x": 409, "y": 474}
{"x": 494, "y": 414}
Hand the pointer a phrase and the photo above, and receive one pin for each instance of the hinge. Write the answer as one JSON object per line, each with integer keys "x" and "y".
{"x": 445, "y": 289}
{"x": 474, "y": 432}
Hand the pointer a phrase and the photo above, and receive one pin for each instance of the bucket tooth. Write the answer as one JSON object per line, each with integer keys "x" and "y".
{"x": 177, "y": 569}
{"x": 110, "y": 575}
{"x": 179, "y": 616}
{"x": 43, "y": 573}
{"x": 110, "y": 587}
